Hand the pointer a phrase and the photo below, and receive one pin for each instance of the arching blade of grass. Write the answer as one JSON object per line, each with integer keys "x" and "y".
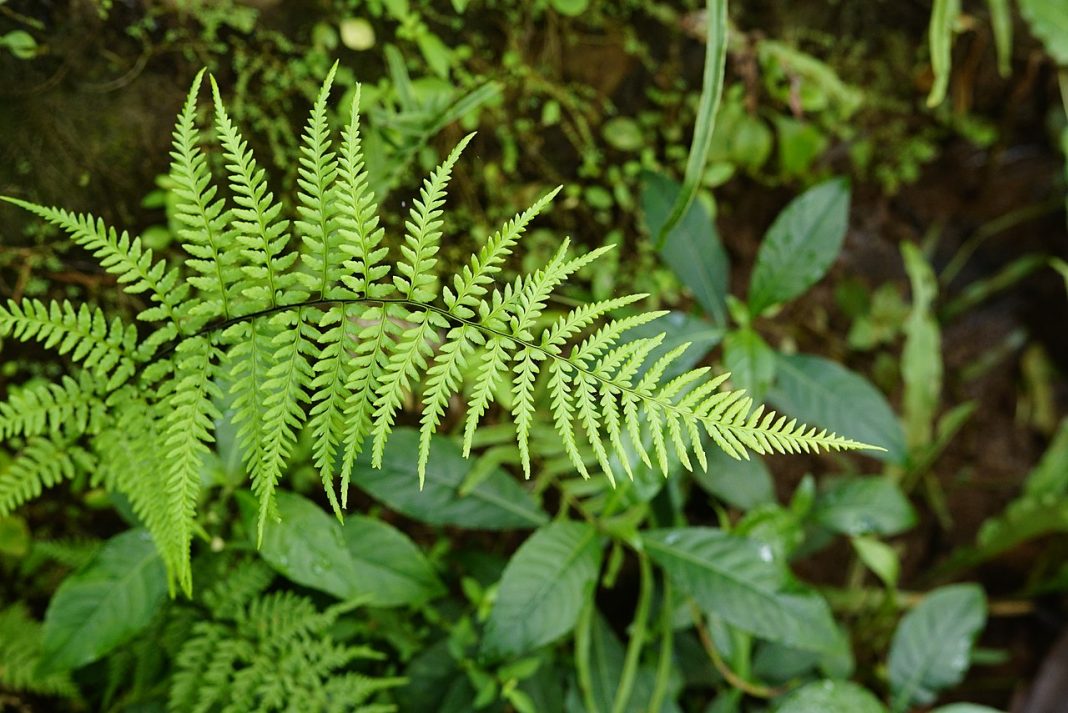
{"x": 711, "y": 91}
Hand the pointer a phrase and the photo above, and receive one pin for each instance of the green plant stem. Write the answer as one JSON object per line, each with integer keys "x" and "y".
{"x": 637, "y": 635}
{"x": 667, "y": 648}
{"x": 711, "y": 92}
{"x": 582, "y": 655}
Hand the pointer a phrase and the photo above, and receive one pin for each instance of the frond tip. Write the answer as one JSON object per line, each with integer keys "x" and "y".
{"x": 321, "y": 333}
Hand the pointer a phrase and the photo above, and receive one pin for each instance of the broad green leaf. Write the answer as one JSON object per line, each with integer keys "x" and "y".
{"x": 692, "y": 248}
{"x": 542, "y": 589}
{"x": 964, "y": 708}
{"x": 750, "y": 361}
{"x": 498, "y": 502}
{"x": 1050, "y": 476}
{"x": 879, "y": 557}
{"x": 364, "y": 558}
{"x": 742, "y": 483}
{"x": 436, "y": 683}
{"x": 921, "y": 358}
{"x": 932, "y": 646}
{"x": 1049, "y": 22}
{"x": 830, "y": 697}
{"x": 740, "y": 581}
{"x": 800, "y": 245}
{"x": 825, "y": 394}
{"x": 708, "y": 105}
{"x": 864, "y": 506}
{"x": 940, "y": 36}
{"x": 800, "y": 144}
{"x": 104, "y": 604}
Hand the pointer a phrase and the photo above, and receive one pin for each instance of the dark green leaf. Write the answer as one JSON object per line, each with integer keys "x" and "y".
{"x": 750, "y": 361}
{"x": 364, "y": 558}
{"x": 742, "y": 483}
{"x": 831, "y": 697}
{"x": 543, "y": 588}
{"x": 740, "y": 581}
{"x": 1049, "y": 22}
{"x": 932, "y": 646}
{"x": 864, "y": 506}
{"x": 498, "y": 502}
{"x": 104, "y": 604}
{"x": 692, "y": 248}
{"x": 800, "y": 245}
{"x": 825, "y": 394}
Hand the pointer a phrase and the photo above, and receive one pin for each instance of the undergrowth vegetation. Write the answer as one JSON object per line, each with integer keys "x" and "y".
{"x": 310, "y": 435}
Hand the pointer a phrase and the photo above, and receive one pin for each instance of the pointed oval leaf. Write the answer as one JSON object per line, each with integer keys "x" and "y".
{"x": 364, "y": 558}
{"x": 104, "y": 604}
{"x": 821, "y": 393}
{"x": 800, "y": 245}
{"x": 692, "y": 248}
{"x": 543, "y": 588}
{"x": 739, "y": 580}
{"x": 932, "y": 646}
{"x": 750, "y": 361}
{"x": 831, "y": 697}
{"x": 498, "y": 502}
{"x": 864, "y": 506}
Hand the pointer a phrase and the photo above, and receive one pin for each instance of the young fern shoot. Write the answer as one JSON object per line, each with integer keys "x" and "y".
{"x": 324, "y": 333}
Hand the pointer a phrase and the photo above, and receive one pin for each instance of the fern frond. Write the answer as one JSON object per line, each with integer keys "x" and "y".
{"x": 71, "y": 407}
{"x": 443, "y": 380}
{"x": 203, "y": 220}
{"x": 263, "y": 656}
{"x": 107, "y": 349}
{"x": 358, "y": 216}
{"x": 337, "y": 346}
{"x": 417, "y": 280}
{"x": 318, "y": 168}
{"x": 285, "y": 393}
{"x": 330, "y": 392}
{"x": 375, "y": 342}
{"x": 20, "y": 654}
{"x": 471, "y": 284}
{"x": 409, "y": 359}
{"x": 42, "y": 463}
{"x": 189, "y": 425}
{"x": 122, "y": 256}
{"x": 259, "y": 230}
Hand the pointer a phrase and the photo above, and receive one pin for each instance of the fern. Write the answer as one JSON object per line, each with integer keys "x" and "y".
{"x": 325, "y": 333}
{"x": 274, "y": 652}
{"x": 20, "y": 653}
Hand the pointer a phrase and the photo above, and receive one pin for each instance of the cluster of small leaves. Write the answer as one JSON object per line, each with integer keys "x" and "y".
{"x": 270, "y": 652}
{"x": 325, "y": 333}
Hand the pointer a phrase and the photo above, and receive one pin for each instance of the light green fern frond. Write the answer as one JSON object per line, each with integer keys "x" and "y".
{"x": 71, "y": 407}
{"x": 203, "y": 221}
{"x": 266, "y": 655}
{"x": 326, "y": 334}
{"x": 41, "y": 463}
{"x": 124, "y": 257}
{"x": 256, "y": 218}
{"x": 108, "y": 350}
{"x": 20, "y": 654}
